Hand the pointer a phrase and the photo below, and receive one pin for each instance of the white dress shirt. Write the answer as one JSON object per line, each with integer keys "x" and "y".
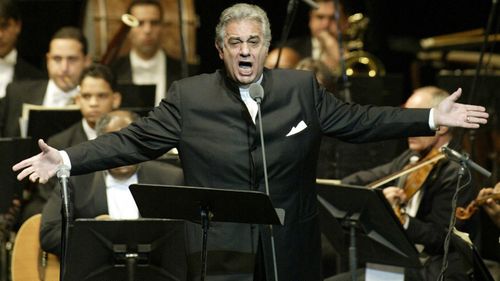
{"x": 7, "y": 64}
{"x": 89, "y": 131}
{"x": 250, "y": 103}
{"x": 121, "y": 203}
{"x": 54, "y": 96}
{"x": 150, "y": 72}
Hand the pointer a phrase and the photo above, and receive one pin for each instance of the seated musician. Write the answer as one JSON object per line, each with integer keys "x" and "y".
{"x": 492, "y": 204}
{"x": 104, "y": 192}
{"x": 426, "y": 214}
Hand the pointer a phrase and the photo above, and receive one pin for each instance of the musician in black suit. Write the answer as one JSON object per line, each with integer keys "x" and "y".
{"x": 104, "y": 192}
{"x": 321, "y": 44}
{"x": 147, "y": 62}
{"x": 426, "y": 214}
{"x": 211, "y": 118}
{"x": 12, "y": 66}
{"x": 66, "y": 58}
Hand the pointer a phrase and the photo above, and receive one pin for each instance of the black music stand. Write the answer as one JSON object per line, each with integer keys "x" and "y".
{"x": 371, "y": 223}
{"x": 203, "y": 205}
{"x": 43, "y": 123}
{"x": 120, "y": 250}
{"x": 137, "y": 96}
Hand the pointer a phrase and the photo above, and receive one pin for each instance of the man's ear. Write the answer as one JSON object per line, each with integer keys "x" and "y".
{"x": 77, "y": 99}
{"x": 117, "y": 100}
{"x": 219, "y": 49}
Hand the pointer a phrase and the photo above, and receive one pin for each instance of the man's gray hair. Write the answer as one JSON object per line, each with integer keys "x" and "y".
{"x": 240, "y": 12}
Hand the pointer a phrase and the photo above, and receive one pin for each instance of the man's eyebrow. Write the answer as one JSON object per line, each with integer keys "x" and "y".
{"x": 229, "y": 37}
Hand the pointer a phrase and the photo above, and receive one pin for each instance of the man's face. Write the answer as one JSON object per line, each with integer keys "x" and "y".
{"x": 122, "y": 172}
{"x": 65, "y": 62}
{"x": 244, "y": 51}
{"x": 146, "y": 38}
{"x": 96, "y": 98}
{"x": 322, "y": 19}
{"x": 420, "y": 99}
{"x": 9, "y": 30}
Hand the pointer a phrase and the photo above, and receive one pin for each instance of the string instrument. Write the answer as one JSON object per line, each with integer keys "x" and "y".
{"x": 114, "y": 46}
{"x": 467, "y": 212}
{"x": 416, "y": 174}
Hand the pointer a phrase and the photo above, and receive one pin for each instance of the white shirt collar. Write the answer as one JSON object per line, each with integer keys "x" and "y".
{"x": 150, "y": 72}
{"x": 137, "y": 61}
{"x": 121, "y": 203}
{"x": 249, "y": 102}
{"x": 54, "y": 96}
{"x": 89, "y": 132}
{"x": 10, "y": 59}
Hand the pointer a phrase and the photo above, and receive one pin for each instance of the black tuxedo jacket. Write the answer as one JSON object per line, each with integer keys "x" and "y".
{"x": 206, "y": 119}
{"x": 25, "y": 71}
{"x": 18, "y": 93}
{"x": 89, "y": 197}
{"x": 71, "y": 136}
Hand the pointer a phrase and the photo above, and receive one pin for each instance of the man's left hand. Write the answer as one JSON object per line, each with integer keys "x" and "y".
{"x": 453, "y": 114}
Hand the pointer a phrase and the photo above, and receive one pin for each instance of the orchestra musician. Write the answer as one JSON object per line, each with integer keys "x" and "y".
{"x": 66, "y": 59}
{"x": 147, "y": 63}
{"x": 427, "y": 212}
{"x": 322, "y": 42}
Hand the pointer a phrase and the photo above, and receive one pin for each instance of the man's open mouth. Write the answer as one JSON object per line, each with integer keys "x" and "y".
{"x": 245, "y": 64}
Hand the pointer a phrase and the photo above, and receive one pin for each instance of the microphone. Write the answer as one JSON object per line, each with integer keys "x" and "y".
{"x": 256, "y": 93}
{"x": 464, "y": 158}
{"x": 63, "y": 173}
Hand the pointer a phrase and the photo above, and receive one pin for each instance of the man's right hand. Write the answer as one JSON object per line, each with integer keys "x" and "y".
{"x": 394, "y": 195}
{"x": 40, "y": 167}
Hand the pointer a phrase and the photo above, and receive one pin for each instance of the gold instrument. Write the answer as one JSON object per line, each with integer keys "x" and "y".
{"x": 358, "y": 61}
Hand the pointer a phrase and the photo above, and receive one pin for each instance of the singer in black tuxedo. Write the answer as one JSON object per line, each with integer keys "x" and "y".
{"x": 219, "y": 147}
{"x": 209, "y": 118}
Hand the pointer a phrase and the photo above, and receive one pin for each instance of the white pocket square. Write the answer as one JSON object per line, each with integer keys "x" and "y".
{"x": 300, "y": 127}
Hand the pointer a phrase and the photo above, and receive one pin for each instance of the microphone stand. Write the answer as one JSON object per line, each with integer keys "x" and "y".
{"x": 184, "y": 65}
{"x": 291, "y": 11}
{"x": 63, "y": 175}
{"x": 345, "y": 91}
{"x": 266, "y": 183}
{"x": 478, "y": 73}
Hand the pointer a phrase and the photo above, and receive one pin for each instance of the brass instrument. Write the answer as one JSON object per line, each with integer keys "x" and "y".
{"x": 358, "y": 61}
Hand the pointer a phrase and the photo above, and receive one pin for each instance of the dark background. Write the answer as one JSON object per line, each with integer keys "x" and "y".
{"x": 395, "y": 28}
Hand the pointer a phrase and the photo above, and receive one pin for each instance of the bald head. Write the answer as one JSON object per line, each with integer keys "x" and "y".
{"x": 112, "y": 122}
{"x": 288, "y": 59}
{"x": 115, "y": 121}
{"x": 426, "y": 97}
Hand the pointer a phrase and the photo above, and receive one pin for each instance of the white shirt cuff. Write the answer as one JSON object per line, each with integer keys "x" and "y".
{"x": 432, "y": 125}
{"x": 407, "y": 222}
{"x": 65, "y": 158}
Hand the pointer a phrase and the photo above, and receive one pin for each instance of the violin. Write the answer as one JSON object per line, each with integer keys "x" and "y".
{"x": 416, "y": 173}
{"x": 467, "y": 212}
